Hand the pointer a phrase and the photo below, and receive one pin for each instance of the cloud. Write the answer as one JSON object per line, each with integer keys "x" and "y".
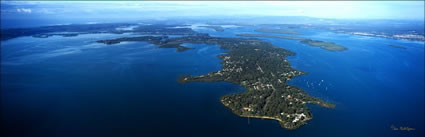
{"x": 23, "y": 10}
{"x": 300, "y": 10}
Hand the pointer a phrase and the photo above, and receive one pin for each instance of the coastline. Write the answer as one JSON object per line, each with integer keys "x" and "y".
{"x": 281, "y": 122}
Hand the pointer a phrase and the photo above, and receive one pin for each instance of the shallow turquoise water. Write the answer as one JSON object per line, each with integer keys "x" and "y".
{"x": 75, "y": 87}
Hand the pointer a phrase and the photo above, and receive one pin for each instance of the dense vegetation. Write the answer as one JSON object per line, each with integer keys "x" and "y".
{"x": 258, "y": 66}
{"x": 330, "y": 46}
{"x": 263, "y": 70}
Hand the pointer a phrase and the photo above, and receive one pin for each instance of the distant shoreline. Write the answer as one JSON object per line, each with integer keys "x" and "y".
{"x": 330, "y": 46}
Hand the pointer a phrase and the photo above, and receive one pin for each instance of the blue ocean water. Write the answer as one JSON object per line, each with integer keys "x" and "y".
{"x": 72, "y": 86}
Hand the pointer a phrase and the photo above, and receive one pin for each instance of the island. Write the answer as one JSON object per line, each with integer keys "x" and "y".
{"x": 215, "y": 27}
{"x": 260, "y": 67}
{"x": 330, "y": 46}
{"x": 150, "y": 39}
{"x": 396, "y": 46}
{"x": 280, "y": 31}
{"x": 56, "y": 34}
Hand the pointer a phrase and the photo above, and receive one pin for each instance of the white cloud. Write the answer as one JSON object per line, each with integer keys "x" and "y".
{"x": 24, "y": 10}
{"x": 300, "y": 10}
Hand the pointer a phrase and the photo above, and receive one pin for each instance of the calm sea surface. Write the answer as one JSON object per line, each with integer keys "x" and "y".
{"x": 72, "y": 86}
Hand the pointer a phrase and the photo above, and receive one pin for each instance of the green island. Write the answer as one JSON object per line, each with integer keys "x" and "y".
{"x": 260, "y": 67}
{"x": 280, "y": 31}
{"x": 216, "y": 28}
{"x": 330, "y": 46}
{"x": 149, "y": 39}
{"x": 396, "y": 46}
{"x": 49, "y": 35}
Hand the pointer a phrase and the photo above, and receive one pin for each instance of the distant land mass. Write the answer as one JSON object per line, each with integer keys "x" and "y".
{"x": 115, "y": 28}
{"x": 401, "y": 31}
{"x": 396, "y": 46}
{"x": 394, "y": 29}
{"x": 281, "y": 31}
{"x": 315, "y": 43}
{"x": 215, "y": 27}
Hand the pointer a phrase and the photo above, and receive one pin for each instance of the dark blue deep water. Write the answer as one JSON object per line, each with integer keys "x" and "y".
{"x": 72, "y": 86}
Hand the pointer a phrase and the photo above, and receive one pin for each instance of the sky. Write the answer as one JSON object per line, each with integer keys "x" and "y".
{"x": 68, "y": 10}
